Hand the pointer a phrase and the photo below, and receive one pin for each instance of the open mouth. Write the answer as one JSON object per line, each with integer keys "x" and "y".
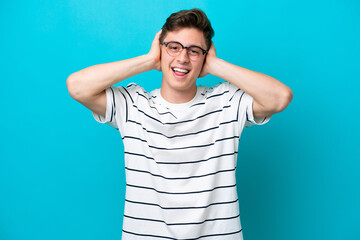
{"x": 180, "y": 72}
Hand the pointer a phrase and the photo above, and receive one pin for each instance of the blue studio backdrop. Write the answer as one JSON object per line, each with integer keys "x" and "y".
{"x": 62, "y": 173}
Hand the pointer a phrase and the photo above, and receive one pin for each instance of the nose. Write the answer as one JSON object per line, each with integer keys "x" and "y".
{"x": 183, "y": 56}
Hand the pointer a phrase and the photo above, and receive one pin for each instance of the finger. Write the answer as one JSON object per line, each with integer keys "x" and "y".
{"x": 157, "y": 36}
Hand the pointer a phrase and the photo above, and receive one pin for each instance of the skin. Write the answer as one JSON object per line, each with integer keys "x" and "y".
{"x": 173, "y": 89}
{"x": 270, "y": 95}
{"x": 177, "y": 90}
{"x": 88, "y": 85}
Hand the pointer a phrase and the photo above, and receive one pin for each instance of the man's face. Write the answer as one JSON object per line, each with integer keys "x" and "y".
{"x": 178, "y": 81}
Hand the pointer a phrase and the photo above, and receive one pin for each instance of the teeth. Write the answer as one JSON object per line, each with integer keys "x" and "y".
{"x": 180, "y": 70}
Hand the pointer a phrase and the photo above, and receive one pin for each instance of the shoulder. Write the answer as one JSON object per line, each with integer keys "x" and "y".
{"x": 133, "y": 87}
{"x": 221, "y": 89}
{"x": 131, "y": 90}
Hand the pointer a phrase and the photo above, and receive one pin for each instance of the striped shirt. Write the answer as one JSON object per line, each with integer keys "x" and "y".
{"x": 180, "y": 161}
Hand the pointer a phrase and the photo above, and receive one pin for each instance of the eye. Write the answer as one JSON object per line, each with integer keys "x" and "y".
{"x": 194, "y": 51}
{"x": 174, "y": 47}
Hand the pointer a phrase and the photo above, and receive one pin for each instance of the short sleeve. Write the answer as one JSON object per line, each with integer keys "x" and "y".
{"x": 244, "y": 104}
{"x": 250, "y": 120}
{"x": 116, "y": 108}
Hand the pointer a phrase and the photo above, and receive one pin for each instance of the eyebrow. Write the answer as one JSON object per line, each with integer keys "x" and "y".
{"x": 191, "y": 45}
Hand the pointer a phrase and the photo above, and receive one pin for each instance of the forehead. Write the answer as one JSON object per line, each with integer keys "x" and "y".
{"x": 187, "y": 37}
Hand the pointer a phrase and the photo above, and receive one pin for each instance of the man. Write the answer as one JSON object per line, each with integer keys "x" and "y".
{"x": 181, "y": 140}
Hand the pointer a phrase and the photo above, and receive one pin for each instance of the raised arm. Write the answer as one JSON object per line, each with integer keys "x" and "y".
{"x": 270, "y": 95}
{"x": 88, "y": 85}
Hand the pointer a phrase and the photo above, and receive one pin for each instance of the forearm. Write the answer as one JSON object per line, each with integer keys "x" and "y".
{"x": 266, "y": 90}
{"x": 93, "y": 80}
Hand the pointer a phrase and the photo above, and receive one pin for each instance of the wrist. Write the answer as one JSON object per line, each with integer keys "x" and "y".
{"x": 214, "y": 66}
{"x": 149, "y": 62}
{"x": 152, "y": 61}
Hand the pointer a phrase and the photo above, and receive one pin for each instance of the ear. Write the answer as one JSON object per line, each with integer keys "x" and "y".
{"x": 204, "y": 63}
{"x": 203, "y": 70}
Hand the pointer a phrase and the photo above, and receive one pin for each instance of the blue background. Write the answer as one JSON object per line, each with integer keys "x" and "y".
{"x": 62, "y": 173}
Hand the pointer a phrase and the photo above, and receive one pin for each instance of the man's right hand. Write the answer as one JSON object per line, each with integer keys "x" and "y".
{"x": 88, "y": 85}
{"x": 155, "y": 52}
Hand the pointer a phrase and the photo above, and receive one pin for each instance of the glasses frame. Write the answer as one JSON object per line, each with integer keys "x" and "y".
{"x": 187, "y": 48}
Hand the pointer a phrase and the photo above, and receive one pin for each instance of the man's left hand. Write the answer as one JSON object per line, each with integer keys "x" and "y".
{"x": 209, "y": 60}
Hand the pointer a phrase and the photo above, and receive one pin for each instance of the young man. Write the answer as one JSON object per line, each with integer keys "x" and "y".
{"x": 181, "y": 141}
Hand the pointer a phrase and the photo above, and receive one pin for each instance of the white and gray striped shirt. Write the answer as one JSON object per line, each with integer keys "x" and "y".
{"x": 180, "y": 161}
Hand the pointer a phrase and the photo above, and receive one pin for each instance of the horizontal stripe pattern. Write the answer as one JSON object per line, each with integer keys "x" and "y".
{"x": 180, "y": 161}
{"x": 179, "y": 148}
{"x": 184, "y": 134}
{"x": 219, "y": 236}
{"x": 181, "y": 208}
{"x": 216, "y": 157}
{"x": 180, "y": 193}
{"x": 180, "y": 223}
{"x": 180, "y": 178}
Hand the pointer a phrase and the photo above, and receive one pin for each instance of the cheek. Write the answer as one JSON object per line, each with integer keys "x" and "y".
{"x": 198, "y": 67}
{"x": 164, "y": 61}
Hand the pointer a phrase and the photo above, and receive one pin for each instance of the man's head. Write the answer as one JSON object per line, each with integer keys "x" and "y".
{"x": 179, "y": 64}
{"x": 193, "y": 18}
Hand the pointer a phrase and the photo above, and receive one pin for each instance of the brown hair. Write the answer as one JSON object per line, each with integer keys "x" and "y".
{"x": 193, "y": 18}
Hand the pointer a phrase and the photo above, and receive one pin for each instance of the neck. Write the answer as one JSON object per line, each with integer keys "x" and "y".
{"x": 178, "y": 96}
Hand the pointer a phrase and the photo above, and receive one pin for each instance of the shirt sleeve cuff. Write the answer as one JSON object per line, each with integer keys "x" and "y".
{"x": 250, "y": 120}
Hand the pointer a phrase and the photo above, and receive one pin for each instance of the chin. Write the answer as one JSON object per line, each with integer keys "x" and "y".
{"x": 183, "y": 85}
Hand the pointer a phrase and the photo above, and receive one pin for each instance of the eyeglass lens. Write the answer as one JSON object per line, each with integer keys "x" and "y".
{"x": 174, "y": 49}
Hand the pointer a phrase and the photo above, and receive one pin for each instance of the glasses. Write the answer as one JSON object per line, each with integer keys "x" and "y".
{"x": 175, "y": 48}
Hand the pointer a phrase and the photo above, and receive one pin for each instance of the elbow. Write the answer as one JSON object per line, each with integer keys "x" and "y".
{"x": 285, "y": 99}
{"x": 72, "y": 84}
